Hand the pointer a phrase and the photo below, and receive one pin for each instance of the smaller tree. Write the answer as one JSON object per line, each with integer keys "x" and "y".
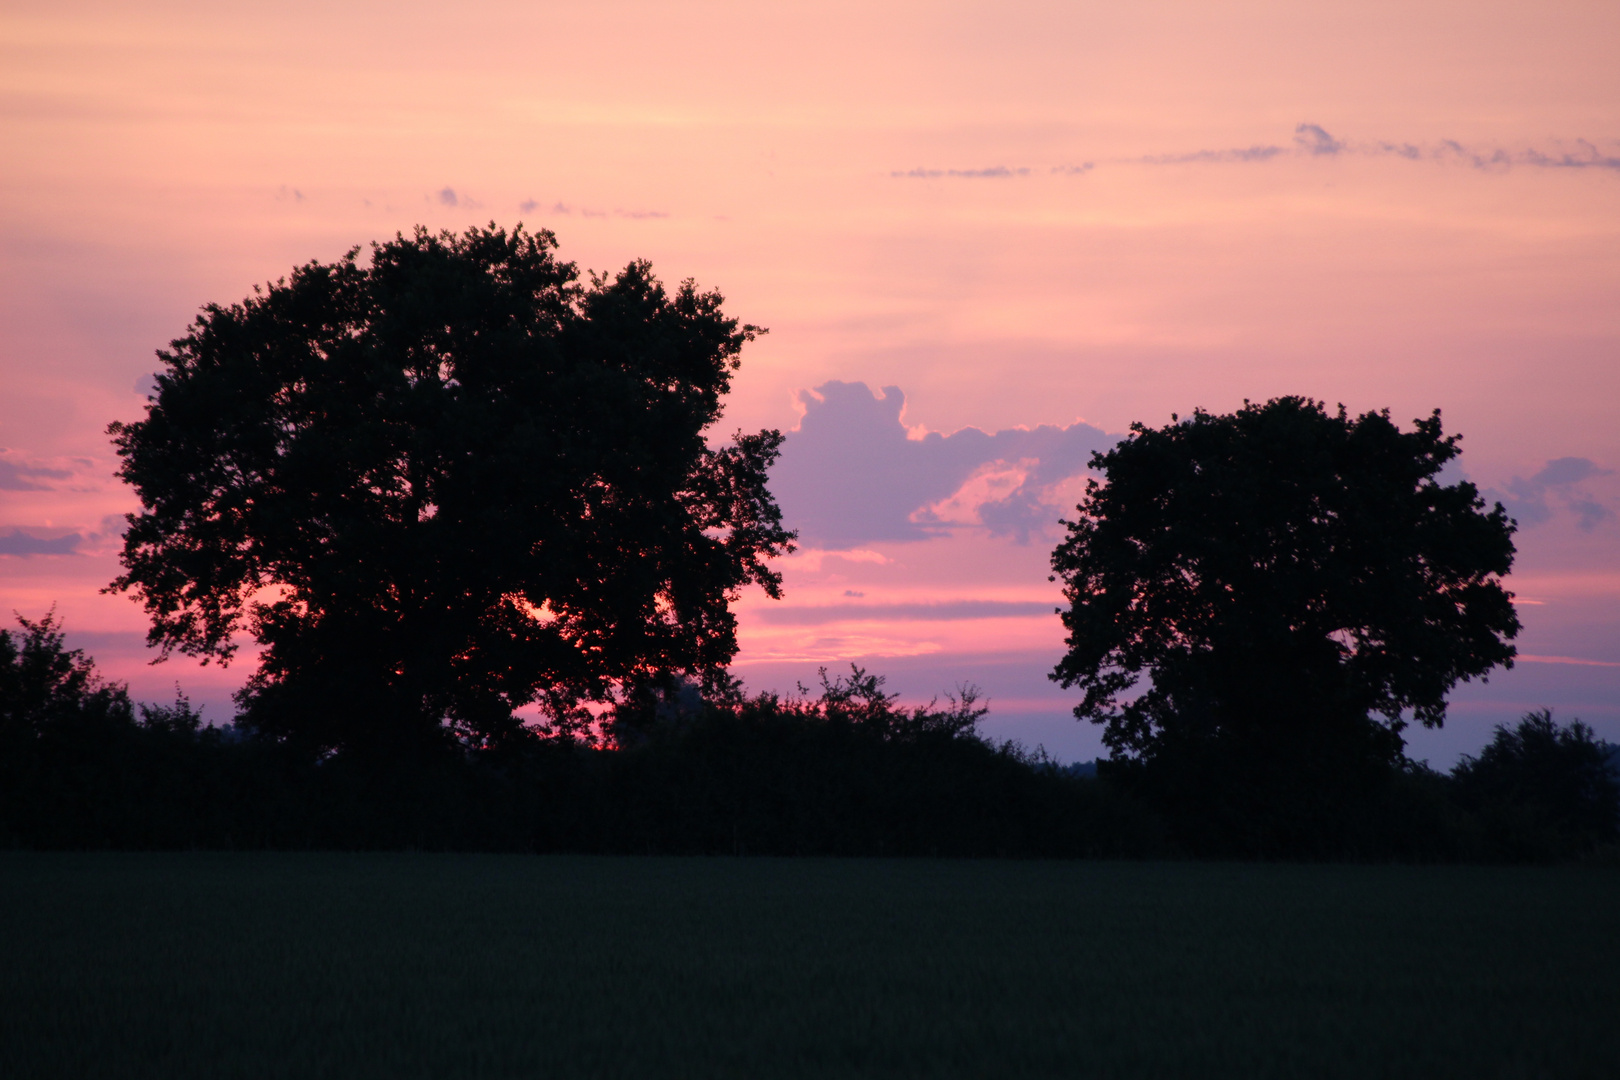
{"x": 45, "y": 686}
{"x": 1543, "y": 777}
{"x": 1295, "y": 583}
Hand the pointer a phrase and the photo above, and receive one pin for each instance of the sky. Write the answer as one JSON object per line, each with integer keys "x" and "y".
{"x": 986, "y": 238}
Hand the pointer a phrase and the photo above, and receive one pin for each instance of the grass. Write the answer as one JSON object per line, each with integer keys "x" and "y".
{"x": 332, "y": 965}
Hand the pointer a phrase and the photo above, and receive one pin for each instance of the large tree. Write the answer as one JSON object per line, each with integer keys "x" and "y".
{"x": 1296, "y": 584}
{"x": 445, "y": 484}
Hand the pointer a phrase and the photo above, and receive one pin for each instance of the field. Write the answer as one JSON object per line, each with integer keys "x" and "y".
{"x": 329, "y": 965}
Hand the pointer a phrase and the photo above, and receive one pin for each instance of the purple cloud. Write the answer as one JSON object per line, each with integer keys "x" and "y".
{"x": 945, "y": 611}
{"x": 1312, "y": 139}
{"x": 1534, "y": 500}
{"x": 994, "y": 172}
{"x": 851, "y": 474}
{"x": 22, "y": 543}
{"x": 20, "y": 476}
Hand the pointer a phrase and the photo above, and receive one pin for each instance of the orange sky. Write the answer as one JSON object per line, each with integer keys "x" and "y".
{"x": 1403, "y": 205}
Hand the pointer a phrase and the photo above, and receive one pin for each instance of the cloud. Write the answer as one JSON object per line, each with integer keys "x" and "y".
{"x": 1584, "y": 155}
{"x": 1309, "y": 139}
{"x": 1250, "y": 153}
{"x": 994, "y": 172}
{"x": 1535, "y": 500}
{"x": 23, "y": 543}
{"x": 21, "y": 476}
{"x": 810, "y": 560}
{"x": 1313, "y": 140}
{"x": 449, "y": 196}
{"x": 528, "y": 206}
{"x": 852, "y": 474}
{"x": 1587, "y": 156}
{"x": 945, "y": 611}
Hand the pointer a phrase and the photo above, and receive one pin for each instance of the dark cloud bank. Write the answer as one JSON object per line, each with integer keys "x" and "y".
{"x": 850, "y": 475}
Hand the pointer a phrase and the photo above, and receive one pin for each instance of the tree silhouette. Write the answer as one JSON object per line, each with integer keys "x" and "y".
{"x": 445, "y": 486}
{"x": 1541, "y": 776}
{"x": 1295, "y": 583}
{"x": 44, "y": 686}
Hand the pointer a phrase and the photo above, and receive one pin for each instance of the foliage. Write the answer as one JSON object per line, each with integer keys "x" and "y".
{"x": 445, "y": 486}
{"x": 848, "y": 772}
{"x": 843, "y": 771}
{"x": 857, "y": 701}
{"x": 45, "y": 686}
{"x": 1543, "y": 786}
{"x": 1294, "y": 582}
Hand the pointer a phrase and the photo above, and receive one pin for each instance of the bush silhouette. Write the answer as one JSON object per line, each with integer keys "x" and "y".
{"x": 1543, "y": 787}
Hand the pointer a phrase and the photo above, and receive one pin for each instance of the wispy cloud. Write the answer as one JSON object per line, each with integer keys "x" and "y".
{"x": 567, "y": 210}
{"x": 994, "y": 172}
{"x": 1313, "y": 140}
{"x": 1247, "y": 153}
{"x": 945, "y": 611}
{"x": 1566, "y": 660}
{"x": 449, "y": 196}
{"x": 1310, "y": 140}
{"x": 1585, "y": 156}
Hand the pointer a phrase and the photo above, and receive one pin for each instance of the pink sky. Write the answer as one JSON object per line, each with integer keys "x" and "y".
{"x": 1016, "y": 214}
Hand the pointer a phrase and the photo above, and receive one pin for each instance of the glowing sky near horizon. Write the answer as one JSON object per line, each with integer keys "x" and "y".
{"x": 1016, "y": 214}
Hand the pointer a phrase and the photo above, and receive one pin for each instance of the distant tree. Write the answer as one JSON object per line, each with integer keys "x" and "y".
{"x": 1543, "y": 776}
{"x": 46, "y": 686}
{"x": 447, "y": 485}
{"x": 1294, "y": 582}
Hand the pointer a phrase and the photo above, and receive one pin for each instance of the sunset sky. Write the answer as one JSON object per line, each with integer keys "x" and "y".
{"x": 986, "y": 237}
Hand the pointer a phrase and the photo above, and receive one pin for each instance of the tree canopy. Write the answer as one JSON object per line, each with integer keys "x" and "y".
{"x": 45, "y": 685}
{"x": 446, "y": 485}
{"x": 1295, "y": 583}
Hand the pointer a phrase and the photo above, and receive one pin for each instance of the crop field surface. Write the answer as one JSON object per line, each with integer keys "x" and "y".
{"x": 419, "y": 965}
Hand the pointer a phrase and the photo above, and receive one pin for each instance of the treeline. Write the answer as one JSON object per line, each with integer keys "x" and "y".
{"x": 843, "y": 770}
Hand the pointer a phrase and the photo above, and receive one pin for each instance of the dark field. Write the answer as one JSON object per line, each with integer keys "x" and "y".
{"x": 446, "y": 965}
